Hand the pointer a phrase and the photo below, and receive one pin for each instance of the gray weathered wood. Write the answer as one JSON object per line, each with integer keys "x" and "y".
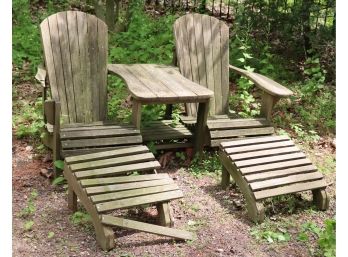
{"x": 112, "y": 162}
{"x": 154, "y": 229}
{"x": 290, "y": 189}
{"x": 139, "y": 200}
{"x": 106, "y": 197}
{"x": 252, "y": 141}
{"x": 241, "y": 132}
{"x": 123, "y": 179}
{"x": 64, "y": 135}
{"x": 107, "y": 154}
{"x": 116, "y": 170}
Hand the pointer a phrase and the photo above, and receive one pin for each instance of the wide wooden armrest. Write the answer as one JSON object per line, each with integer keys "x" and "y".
{"x": 270, "y": 86}
{"x": 41, "y": 75}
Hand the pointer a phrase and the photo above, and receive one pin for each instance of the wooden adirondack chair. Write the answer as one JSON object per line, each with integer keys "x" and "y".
{"x": 75, "y": 47}
{"x": 262, "y": 167}
{"x": 98, "y": 154}
{"x": 202, "y": 54}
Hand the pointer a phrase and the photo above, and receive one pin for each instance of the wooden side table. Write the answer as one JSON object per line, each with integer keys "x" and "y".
{"x": 161, "y": 84}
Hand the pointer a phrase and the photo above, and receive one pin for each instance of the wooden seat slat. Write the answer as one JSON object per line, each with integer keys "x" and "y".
{"x": 122, "y": 179}
{"x": 241, "y": 132}
{"x": 277, "y": 182}
{"x": 107, "y": 154}
{"x": 107, "y": 132}
{"x": 112, "y": 162}
{"x": 274, "y": 166}
{"x": 132, "y": 193}
{"x": 139, "y": 200}
{"x": 265, "y": 160}
{"x": 235, "y": 124}
{"x": 117, "y": 170}
{"x": 264, "y": 153}
{"x": 253, "y": 148}
{"x": 279, "y": 173}
{"x": 294, "y": 188}
{"x": 127, "y": 186}
{"x": 80, "y": 143}
{"x": 251, "y": 141}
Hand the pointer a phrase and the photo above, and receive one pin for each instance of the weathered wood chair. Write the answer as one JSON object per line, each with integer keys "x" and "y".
{"x": 75, "y": 47}
{"x": 96, "y": 151}
{"x": 262, "y": 169}
{"x": 202, "y": 55}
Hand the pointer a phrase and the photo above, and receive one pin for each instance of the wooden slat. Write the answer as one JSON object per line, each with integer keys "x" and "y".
{"x": 80, "y": 143}
{"x": 133, "y": 193}
{"x": 157, "y": 88}
{"x": 110, "y": 162}
{"x": 137, "y": 88}
{"x": 265, "y": 160}
{"x": 156, "y": 71}
{"x": 66, "y": 64}
{"x": 289, "y": 189}
{"x": 264, "y": 153}
{"x": 190, "y": 27}
{"x": 232, "y": 123}
{"x": 225, "y": 89}
{"x": 75, "y": 63}
{"x": 92, "y": 82}
{"x": 102, "y": 67}
{"x": 111, "y": 171}
{"x": 216, "y": 44}
{"x": 139, "y": 200}
{"x": 279, "y": 173}
{"x": 154, "y": 229}
{"x": 127, "y": 186}
{"x": 264, "y": 146}
{"x": 251, "y": 141}
{"x": 84, "y": 98}
{"x": 276, "y": 182}
{"x": 107, "y": 154}
{"x": 209, "y": 61}
{"x": 198, "y": 30}
{"x": 58, "y": 66}
{"x": 123, "y": 179}
{"x": 275, "y": 166}
{"x": 92, "y": 127}
{"x": 96, "y": 124}
{"x": 97, "y": 133}
{"x": 49, "y": 61}
{"x": 241, "y": 132}
{"x": 82, "y": 151}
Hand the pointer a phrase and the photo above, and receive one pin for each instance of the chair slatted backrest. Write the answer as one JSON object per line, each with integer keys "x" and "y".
{"x": 75, "y": 49}
{"x": 202, "y": 53}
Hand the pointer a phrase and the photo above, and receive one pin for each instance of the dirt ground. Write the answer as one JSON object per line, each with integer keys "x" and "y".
{"x": 217, "y": 217}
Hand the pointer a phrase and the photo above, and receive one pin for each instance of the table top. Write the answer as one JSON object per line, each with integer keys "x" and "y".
{"x": 156, "y": 83}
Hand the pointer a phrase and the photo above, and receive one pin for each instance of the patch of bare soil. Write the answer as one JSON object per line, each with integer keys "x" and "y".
{"x": 217, "y": 217}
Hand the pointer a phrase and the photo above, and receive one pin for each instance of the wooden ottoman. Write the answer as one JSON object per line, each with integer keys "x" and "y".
{"x": 270, "y": 166}
{"x": 111, "y": 180}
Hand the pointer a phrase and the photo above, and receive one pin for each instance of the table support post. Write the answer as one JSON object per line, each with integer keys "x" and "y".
{"x": 201, "y": 127}
{"x": 136, "y": 113}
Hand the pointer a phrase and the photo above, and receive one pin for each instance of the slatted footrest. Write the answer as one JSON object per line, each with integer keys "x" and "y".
{"x": 79, "y": 139}
{"x": 164, "y": 130}
{"x": 101, "y": 183}
{"x": 270, "y": 166}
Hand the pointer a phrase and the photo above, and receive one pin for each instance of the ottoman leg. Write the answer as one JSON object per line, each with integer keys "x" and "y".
{"x": 72, "y": 200}
{"x": 165, "y": 217}
{"x": 321, "y": 199}
{"x": 226, "y": 178}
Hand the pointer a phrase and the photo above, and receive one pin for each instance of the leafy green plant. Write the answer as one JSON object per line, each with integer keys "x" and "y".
{"x": 30, "y": 208}
{"x": 271, "y": 236}
{"x": 59, "y": 181}
{"x": 327, "y": 238}
{"x": 28, "y": 225}
{"x": 208, "y": 164}
{"x": 81, "y": 219}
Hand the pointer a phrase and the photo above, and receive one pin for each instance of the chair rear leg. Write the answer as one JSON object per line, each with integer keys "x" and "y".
{"x": 321, "y": 199}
